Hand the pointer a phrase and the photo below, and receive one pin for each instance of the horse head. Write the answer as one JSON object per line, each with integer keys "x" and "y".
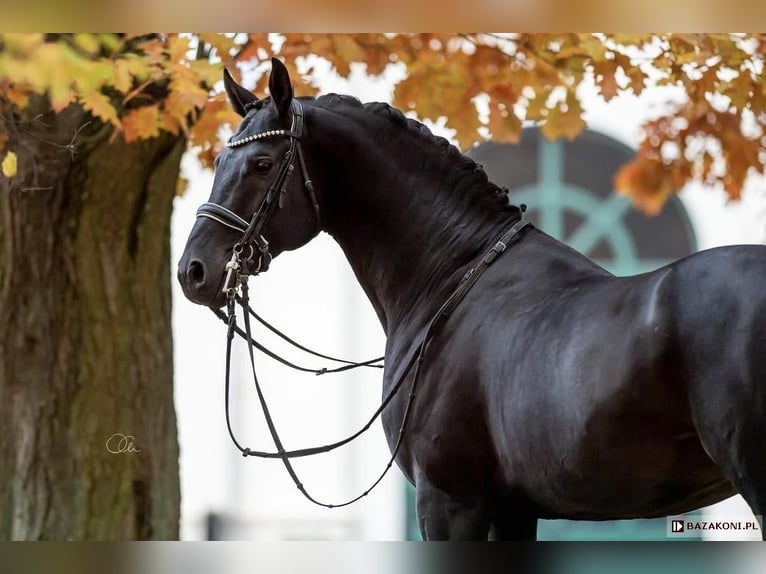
{"x": 258, "y": 206}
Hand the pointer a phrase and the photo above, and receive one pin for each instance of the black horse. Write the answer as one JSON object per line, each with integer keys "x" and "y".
{"x": 554, "y": 389}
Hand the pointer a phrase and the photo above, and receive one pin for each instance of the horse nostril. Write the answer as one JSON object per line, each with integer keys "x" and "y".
{"x": 196, "y": 273}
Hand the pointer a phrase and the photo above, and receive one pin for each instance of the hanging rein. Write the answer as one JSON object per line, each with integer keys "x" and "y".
{"x": 239, "y": 268}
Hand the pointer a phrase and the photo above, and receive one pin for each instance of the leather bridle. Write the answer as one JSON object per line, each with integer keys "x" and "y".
{"x": 238, "y": 269}
{"x": 252, "y": 232}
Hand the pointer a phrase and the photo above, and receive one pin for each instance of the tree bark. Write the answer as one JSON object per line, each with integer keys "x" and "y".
{"x": 85, "y": 344}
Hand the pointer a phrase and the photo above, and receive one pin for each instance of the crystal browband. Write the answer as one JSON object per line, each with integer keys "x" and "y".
{"x": 252, "y": 138}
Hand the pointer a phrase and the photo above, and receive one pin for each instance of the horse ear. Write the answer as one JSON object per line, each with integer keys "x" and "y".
{"x": 238, "y": 95}
{"x": 280, "y": 86}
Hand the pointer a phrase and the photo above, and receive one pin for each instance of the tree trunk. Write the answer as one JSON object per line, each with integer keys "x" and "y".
{"x": 85, "y": 346}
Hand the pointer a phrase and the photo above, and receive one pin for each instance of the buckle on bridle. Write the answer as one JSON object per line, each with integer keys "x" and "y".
{"x": 233, "y": 266}
{"x": 237, "y": 268}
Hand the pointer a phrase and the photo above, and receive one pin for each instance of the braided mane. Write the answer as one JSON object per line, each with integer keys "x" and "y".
{"x": 472, "y": 173}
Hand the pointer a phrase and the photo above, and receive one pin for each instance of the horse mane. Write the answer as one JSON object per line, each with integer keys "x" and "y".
{"x": 472, "y": 174}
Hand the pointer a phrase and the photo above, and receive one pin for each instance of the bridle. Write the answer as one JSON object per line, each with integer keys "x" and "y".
{"x": 252, "y": 232}
{"x": 237, "y": 271}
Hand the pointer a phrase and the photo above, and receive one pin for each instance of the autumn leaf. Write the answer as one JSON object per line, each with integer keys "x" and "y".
{"x": 18, "y": 97}
{"x": 141, "y": 123}
{"x": 150, "y": 83}
{"x": 564, "y": 120}
{"x": 503, "y": 124}
{"x": 9, "y": 165}
{"x": 636, "y": 79}
{"x": 347, "y": 50}
{"x": 466, "y": 123}
{"x": 181, "y": 185}
{"x": 123, "y": 76}
{"x": 646, "y": 183}
{"x": 186, "y": 95}
{"x": 100, "y": 106}
{"x": 606, "y": 80}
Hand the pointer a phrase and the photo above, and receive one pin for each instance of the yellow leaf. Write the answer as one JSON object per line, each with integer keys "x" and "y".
{"x": 181, "y": 185}
{"x": 9, "y": 165}
{"x": 122, "y": 78}
{"x": 177, "y": 48}
{"x": 223, "y": 44}
{"x": 22, "y": 44}
{"x": 536, "y": 108}
{"x": 99, "y": 105}
{"x": 88, "y": 43}
{"x": 564, "y": 120}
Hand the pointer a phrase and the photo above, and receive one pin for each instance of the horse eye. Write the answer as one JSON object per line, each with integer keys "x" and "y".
{"x": 263, "y": 165}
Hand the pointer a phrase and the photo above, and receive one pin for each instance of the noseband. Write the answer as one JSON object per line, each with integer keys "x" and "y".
{"x": 252, "y": 237}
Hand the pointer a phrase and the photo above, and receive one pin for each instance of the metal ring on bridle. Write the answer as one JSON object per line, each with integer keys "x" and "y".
{"x": 251, "y": 231}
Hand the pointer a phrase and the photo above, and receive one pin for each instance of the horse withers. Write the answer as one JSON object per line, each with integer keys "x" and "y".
{"x": 553, "y": 389}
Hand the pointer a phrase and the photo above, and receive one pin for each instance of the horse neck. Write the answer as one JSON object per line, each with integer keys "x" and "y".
{"x": 410, "y": 233}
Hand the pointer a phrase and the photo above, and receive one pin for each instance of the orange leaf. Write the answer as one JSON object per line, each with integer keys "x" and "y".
{"x": 503, "y": 123}
{"x": 604, "y": 73}
{"x": 646, "y": 183}
{"x": 257, "y": 47}
{"x": 637, "y": 79}
{"x": 466, "y": 124}
{"x": 347, "y": 51}
{"x": 18, "y": 97}
{"x": 186, "y": 94}
{"x": 141, "y": 123}
{"x": 406, "y": 92}
{"x": 216, "y": 114}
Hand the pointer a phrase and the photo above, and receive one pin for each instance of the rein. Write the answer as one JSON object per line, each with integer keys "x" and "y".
{"x": 238, "y": 269}
{"x": 348, "y": 365}
{"x": 468, "y": 281}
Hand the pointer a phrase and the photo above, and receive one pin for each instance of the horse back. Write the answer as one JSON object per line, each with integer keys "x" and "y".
{"x": 562, "y": 375}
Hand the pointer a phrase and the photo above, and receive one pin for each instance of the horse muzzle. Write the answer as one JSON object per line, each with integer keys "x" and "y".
{"x": 200, "y": 284}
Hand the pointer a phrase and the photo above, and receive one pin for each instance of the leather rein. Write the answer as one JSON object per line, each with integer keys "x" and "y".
{"x": 239, "y": 268}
